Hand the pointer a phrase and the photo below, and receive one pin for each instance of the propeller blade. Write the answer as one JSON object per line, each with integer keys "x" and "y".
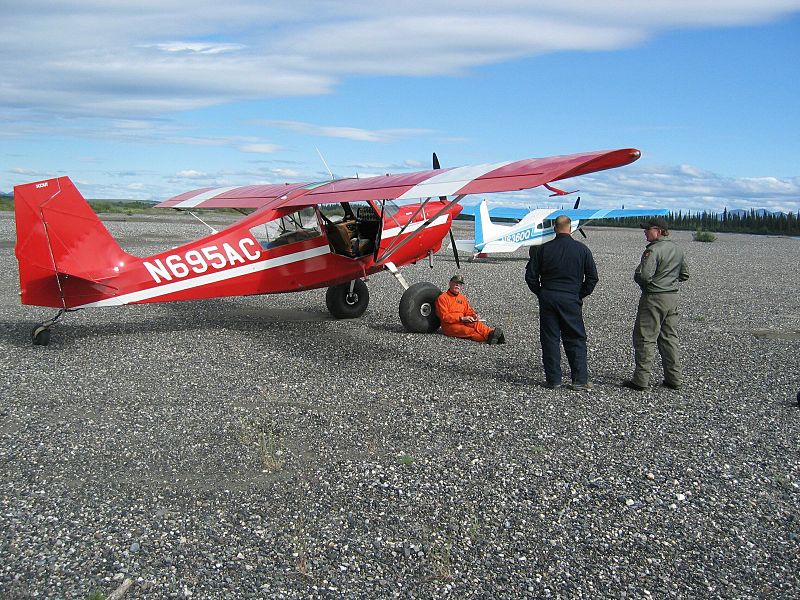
{"x": 583, "y": 233}
{"x": 578, "y": 201}
{"x": 455, "y": 250}
{"x": 436, "y": 165}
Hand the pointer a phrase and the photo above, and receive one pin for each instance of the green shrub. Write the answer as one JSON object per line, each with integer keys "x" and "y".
{"x": 704, "y": 236}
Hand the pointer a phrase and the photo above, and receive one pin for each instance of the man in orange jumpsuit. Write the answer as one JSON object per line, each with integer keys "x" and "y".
{"x": 460, "y": 320}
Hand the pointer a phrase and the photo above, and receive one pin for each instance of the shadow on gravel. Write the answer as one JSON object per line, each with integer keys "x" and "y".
{"x": 205, "y": 314}
{"x": 774, "y": 334}
{"x": 498, "y": 259}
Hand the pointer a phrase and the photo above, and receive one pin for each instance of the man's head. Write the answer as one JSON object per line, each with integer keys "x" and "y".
{"x": 456, "y": 281}
{"x": 563, "y": 224}
{"x": 655, "y": 228}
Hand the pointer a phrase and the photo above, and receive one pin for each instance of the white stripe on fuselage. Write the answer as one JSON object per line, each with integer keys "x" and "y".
{"x": 186, "y": 284}
{"x": 449, "y": 182}
{"x": 394, "y": 231}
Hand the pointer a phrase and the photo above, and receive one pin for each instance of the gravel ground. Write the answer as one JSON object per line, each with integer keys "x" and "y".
{"x": 254, "y": 447}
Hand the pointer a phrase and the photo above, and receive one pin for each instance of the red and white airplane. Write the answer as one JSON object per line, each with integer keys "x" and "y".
{"x": 299, "y": 236}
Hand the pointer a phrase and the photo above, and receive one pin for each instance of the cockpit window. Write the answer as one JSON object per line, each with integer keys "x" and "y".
{"x": 294, "y": 227}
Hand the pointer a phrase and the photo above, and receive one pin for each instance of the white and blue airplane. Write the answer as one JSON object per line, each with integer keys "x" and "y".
{"x": 535, "y": 226}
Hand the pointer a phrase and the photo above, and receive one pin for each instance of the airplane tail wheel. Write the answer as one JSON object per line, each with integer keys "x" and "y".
{"x": 417, "y": 308}
{"x": 344, "y": 305}
{"x": 40, "y": 336}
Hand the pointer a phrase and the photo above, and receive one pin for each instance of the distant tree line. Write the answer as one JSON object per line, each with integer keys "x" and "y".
{"x": 739, "y": 221}
{"x": 758, "y": 221}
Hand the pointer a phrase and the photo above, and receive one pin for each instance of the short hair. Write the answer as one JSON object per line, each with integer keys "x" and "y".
{"x": 563, "y": 221}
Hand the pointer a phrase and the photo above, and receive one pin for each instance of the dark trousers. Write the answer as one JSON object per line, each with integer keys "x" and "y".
{"x": 561, "y": 320}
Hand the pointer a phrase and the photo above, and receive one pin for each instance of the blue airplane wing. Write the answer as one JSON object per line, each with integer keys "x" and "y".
{"x": 585, "y": 214}
{"x": 498, "y": 212}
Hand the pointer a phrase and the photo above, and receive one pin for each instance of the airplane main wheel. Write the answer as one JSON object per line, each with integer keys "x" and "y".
{"x": 418, "y": 308}
{"x": 344, "y": 305}
{"x": 40, "y": 336}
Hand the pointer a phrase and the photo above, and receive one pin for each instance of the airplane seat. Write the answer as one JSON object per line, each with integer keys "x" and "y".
{"x": 340, "y": 235}
{"x": 365, "y": 246}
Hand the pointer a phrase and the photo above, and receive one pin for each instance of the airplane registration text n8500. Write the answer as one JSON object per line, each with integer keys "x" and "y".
{"x": 178, "y": 266}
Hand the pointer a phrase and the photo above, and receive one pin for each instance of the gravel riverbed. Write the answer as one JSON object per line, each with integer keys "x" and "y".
{"x": 257, "y": 448}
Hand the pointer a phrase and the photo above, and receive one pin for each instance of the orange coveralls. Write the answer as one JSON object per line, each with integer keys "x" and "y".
{"x": 450, "y": 309}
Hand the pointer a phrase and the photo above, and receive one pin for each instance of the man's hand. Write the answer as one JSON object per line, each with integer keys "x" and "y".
{"x": 468, "y": 319}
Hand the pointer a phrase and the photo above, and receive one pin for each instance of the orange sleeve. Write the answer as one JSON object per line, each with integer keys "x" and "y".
{"x": 468, "y": 310}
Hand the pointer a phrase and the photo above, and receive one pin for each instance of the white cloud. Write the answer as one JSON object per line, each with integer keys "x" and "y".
{"x": 135, "y": 61}
{"x": 198, "y": 47}
{"x": 685, "y": 187}
{"x": 191, "y": 174}
{"x": 259, "y": 148}
{"x": 349, "y": 133}
{"x": 145, "y": 57}
{"x": 22, "y": 171}
{"x": 283, "y": 174}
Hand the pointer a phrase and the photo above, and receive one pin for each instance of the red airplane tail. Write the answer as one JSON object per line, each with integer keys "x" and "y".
{"x": 66, "y": 256}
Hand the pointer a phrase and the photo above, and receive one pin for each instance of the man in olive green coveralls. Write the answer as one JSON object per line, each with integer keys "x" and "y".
{"x": 661, "y": 268}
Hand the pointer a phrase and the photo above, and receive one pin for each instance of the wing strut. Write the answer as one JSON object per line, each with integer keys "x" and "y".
{"x": 392, "y": 249}
{"x": 414, "y": 216}
{"x": 203, "y": 222}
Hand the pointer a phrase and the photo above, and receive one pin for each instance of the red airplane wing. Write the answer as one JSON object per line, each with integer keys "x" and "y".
{"x": 476, "y": 179}
{"x": 248, "y": 196}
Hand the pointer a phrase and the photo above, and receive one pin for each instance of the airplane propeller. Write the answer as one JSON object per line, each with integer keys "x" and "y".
{"x": 577, "y": 202}
{"x": 455, "y": 250}
{"x": 436, "y": 165}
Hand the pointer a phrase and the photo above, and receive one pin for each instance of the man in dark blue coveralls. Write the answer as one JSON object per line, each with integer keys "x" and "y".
{"x": 561, "y": 273}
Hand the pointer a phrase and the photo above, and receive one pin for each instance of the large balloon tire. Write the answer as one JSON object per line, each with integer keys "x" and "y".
{"x": 418, "y": 308}
{"x": 344, "y": 305}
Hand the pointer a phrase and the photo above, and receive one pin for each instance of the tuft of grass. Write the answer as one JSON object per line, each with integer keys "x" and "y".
{"x": 473, "y": 526}
{"x": 301, "y": 567}
{"x": 300, "y": 543}
{"x": 704, "y": 236}
{"x": 405, "y": 459}
{"x": 261, "y": 433}
{"x": 268, "y": 450}
{"x": 438, "y": 555}
{"x": 538, "y": 449}
{"x": 96, "y": 595}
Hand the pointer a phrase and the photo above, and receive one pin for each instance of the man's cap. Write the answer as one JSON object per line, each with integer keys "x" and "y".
{"x": 659, "y": 222}
{"x": 457, "y": 278}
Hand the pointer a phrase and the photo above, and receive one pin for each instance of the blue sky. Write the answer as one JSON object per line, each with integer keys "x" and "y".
{"x": 147, "y": 99}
